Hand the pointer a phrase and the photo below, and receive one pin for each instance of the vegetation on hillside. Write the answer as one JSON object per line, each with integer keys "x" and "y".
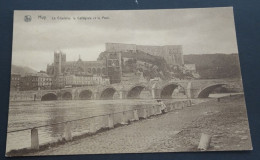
{"x": 156, "y": 66}
{"x": 210, "y": 66}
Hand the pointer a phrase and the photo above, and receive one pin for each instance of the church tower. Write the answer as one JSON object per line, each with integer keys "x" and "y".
{"x": 59, "y": 60}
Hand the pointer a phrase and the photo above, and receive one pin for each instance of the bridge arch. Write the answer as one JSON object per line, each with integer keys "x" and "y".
{"x": 66, "y": 96}
{"x": 49, "y": 97}
{"x": 85, "y": 94}
{"x": 135, "y": 91}
{"x": 168, "y": 90}
{"x": 204, "y": 93}
{"x": 108, "y": 93}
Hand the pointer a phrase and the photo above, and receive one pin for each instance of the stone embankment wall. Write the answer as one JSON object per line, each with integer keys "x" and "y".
{"x": 23, "y": 96}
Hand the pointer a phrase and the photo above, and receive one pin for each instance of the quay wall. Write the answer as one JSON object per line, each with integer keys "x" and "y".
{"x": 24, "y": 96}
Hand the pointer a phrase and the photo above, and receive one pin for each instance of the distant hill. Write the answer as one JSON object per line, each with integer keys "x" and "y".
{"x": 215, "y": 65}
{"x": 22, "y": 70}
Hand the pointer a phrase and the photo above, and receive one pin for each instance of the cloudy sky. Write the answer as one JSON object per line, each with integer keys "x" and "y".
{"x": 84, "y": 33}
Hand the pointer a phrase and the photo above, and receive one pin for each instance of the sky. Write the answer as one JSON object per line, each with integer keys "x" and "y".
{"x": 84, "y": 33}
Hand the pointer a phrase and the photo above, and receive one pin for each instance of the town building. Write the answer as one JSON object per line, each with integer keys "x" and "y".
{"x": 15, "y": 82}
{"x": 44, "y": 81}
{"x": 61, "y": 70}
{"x": 38, "y": 81}
{"x": 29, "y": 82}
{"x": 58, "y": 82}
{"x": 78, "y": 81}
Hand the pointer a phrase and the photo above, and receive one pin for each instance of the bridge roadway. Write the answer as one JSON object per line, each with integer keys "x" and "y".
{"x": 155, "y": 90}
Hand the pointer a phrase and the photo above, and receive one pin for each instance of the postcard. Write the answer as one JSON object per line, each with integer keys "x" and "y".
{"x": 125, "y": 81}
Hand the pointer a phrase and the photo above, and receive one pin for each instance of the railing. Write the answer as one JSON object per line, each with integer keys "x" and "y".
{"x": 93, "y": 124}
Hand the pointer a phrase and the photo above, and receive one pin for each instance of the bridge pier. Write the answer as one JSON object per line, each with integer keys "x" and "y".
{"x": 188, "y": 90}
{"x": 194, "y": 93}
{"x": 73, "y": 95}
{"x": 122, "y": 94}
{"x": 95, "y": 96}
{"x": 156, "y": 93}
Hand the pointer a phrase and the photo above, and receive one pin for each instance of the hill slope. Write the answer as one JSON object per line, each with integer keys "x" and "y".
{"x": 215, "y": 65}
{"x": 22, "y": 70}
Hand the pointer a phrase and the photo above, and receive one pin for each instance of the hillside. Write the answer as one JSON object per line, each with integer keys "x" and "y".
{"x": 208, "y": 66}
{"x": 153, "y": 66}
{"x": 215, "y": 65}
{"x": 22, "y": 70}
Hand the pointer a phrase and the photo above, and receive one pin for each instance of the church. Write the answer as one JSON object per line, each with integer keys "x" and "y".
{"x": 109, "y": 64}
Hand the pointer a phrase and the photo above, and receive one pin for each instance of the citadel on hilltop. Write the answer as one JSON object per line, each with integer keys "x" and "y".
{"x": 172, "y": 54}
{"x": 118, "y": 63}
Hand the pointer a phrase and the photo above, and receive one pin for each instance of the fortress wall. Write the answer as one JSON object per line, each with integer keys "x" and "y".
{"x": 153, "y": 50}
{"x": 171, "y": 53}
{"x": 117, "y": 47}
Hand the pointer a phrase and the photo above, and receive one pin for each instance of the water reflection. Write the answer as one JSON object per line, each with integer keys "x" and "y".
{"x": 56, "y": 115}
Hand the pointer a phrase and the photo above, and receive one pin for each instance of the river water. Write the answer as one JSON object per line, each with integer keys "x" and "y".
{"x": 30, "y": 114}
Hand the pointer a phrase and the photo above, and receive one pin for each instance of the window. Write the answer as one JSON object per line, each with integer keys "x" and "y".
{"x": 104, "y": 71}
{"x": 98, "y": 71}
{"x": 94, "y": 71}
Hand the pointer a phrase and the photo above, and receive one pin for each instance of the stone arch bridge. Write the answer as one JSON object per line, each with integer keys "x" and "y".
{"x": 155, "y": 90}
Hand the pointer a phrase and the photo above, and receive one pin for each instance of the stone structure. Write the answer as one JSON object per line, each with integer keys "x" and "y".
{"x": 171, "y": 53}
{"x": 114, "y": 66}
{"x": 37, "y": 81}
{"x": 75, "y": 81}
{"x": 109, "y": 64}
{"x": 157, "y": 89}
{"x": 61, "y": 68}
{"x": 29, "y": 82}
{"x": 15, "y": 82}
{"x": 44, "y": 81}
{"x": 190, "y": 67}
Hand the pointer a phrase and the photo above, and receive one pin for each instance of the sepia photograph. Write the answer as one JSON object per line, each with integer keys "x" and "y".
{"x": 125, "y": 81}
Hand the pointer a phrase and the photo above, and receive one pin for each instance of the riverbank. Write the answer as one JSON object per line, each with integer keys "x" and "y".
{"x": 226, "y": 121}
{"x": 175, "y": 131}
